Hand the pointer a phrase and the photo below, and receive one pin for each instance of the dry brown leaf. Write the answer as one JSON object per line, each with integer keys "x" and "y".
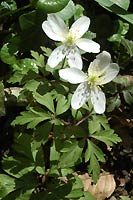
{"x": 104, "y": 187}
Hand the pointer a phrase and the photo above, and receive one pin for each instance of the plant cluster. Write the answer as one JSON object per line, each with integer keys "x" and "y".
{"x": 59, "y": 127}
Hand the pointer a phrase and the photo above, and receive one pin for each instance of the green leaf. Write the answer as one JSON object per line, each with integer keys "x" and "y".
{"x": 125, "y": 81}
{"x": 113, "y": 102}
{"x": 47, "y": 51}
{"x": 54, "y": 154}
{"x": 7, "y": 54}
{"x": 2, "y": 98}
{"x": 128, "y": 95}
{"x": 107, "y": 136}
{"x": 110, "y": 6}
{"x": 123, "y": 4}
{"x": 21, "y": 69}
{"x": 77, "y": 114}
{"x": 46, "y": 100}
{"x": 18, "y": 166}
{"x": 32, "y": 117}
{"x": 63, "y": 104}
{"x": 27, "y": 20}
{"x": 94, "y": 154}
{"x": 38, "y": 58}
{"x": 87, "y": 196}
{"x": 6, "y": 7}
{"x": 121, "y": 32}
{"x": 79, "y": 11}
{"x": 40, "y": 170}
{"x": 97, "y": 123}
{"x": 70, "y": 158}
{"x": 68, "y": 11}
{"x": 128, "y": 44}
{"x": 125, "y": 197}
{"x": 77, "y": 186}
{"x": 75, "y": 194}
{"x": 51, "y": 6}
{"x": 42, "y": 133}
{"x": 32, "y": 85}
{"x": 7, "y": 185}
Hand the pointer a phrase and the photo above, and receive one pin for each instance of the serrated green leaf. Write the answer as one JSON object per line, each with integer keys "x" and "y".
{"x": 94, "y": 168}
{"x": 63, "y": 104}
{"x": 68, "y": 159}
{"x": 94, "y": 154}
{"x": 38, "y": 58}
{"x": 97, "y": 123}
{"x": 46, "y": 100}
{"x": 7, "y": 185}
{"x": 32, "y": 117}
{"x": 107, "y": 136}
{"x": 128, "y": 44}
{"x": 93, "y": 149}
{"x": 21, "y": 69}
{"x": 94, "y": 126}
{"x": 32, "y": 85}
{"x": 7, "y": 54}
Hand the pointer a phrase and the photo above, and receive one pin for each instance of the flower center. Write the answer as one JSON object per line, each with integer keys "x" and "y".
{"x": 94, "y": 80}
{"x": 70, "y": 40}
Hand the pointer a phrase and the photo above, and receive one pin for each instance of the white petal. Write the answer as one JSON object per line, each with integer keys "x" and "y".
{"x": 73, "y": 75}
{"x": 80, "y": 26}
{"x": 57, "y": 56}
{"x": 88, "y": 45}
{"x": 80, "y": 96}
{"x": 74, "y": 58}
{"x": 50, "y": 33}
{"x": 55, "y": 25}
{"x": 110, "y": 73}
{"x": 98, "y": 100}
{"x": 100, "y": 63}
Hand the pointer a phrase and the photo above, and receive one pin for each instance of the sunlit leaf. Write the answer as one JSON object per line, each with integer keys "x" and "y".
{"x": 63, "y": 104}
{"x": 32, "y": 117}
{"x": 107, "y": 136}
{"x": 46, "y": 100}
{"x": 112, "y": 7}
{"x": 69, "y": 158}
{"x": 94, "y": 154}
{"x": 7, "y": 185}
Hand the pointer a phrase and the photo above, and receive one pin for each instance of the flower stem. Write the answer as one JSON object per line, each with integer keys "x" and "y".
{"x": 83, "y": 119}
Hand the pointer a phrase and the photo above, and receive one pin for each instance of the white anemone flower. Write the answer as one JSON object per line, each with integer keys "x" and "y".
{"x": 100, "y": 72}
{"x": 56, "y": 29}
